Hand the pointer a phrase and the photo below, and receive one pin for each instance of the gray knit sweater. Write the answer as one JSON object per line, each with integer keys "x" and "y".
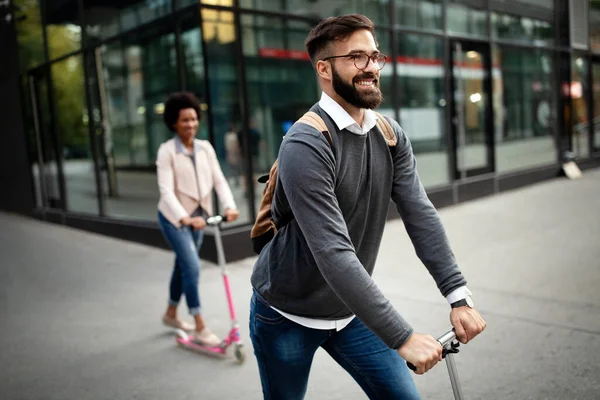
{"x": 320, "y": 264}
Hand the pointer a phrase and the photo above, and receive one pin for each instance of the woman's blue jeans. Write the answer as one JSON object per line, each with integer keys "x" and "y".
{"x": 186, "y": 243}
{"x": 285, "y": 350}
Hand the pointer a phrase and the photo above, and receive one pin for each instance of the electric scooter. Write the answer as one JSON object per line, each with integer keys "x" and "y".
{"x": 233, "y": 338}
{"x": 450, "y": 347}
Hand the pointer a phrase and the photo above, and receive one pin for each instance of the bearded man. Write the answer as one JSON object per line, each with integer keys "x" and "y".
{"x": 312, "y": 282}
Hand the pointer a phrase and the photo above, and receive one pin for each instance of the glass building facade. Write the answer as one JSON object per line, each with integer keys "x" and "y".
{"x": 487, "y": 90}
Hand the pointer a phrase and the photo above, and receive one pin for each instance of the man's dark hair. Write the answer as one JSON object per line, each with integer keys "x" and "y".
{"x": 176, "y": 102}
{"x": 333, "y": 29}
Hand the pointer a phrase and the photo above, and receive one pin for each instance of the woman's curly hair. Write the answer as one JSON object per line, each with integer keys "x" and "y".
{"x": 176, "y": 102}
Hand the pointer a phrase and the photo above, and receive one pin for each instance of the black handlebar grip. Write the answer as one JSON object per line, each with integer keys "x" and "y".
{"x": 411, "y": 367}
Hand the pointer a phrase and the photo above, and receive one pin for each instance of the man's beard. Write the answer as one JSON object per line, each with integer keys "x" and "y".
{"x": 371, "y": 99}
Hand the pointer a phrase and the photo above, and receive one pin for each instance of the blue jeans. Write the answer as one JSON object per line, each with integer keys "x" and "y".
{"x": 284, "y": 351}
{"x": 186, "y": 243}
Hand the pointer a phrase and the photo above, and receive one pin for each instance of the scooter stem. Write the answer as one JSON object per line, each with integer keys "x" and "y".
{"x": 456, "y": 388}
{"x": 229, "y": 297}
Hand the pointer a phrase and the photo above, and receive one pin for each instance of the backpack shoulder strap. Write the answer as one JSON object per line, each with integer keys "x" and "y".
{"x": 386, "y": 129}
{"x": 313, "y": 119}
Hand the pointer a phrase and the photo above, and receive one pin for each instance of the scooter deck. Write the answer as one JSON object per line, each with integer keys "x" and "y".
{"x": 189, "y": 344}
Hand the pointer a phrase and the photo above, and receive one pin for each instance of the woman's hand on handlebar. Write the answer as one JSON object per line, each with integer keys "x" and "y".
{"x": 197, "y": 223}
{"x": 231, "y": 215}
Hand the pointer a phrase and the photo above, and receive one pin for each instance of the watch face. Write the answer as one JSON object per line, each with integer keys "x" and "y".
{"x": 469, "y": 301}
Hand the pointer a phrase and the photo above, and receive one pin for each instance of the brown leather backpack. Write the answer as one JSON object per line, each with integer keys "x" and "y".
{"x": 265, "y": 228}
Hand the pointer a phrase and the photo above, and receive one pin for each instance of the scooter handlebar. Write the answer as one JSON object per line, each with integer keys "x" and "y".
{"x": 445, "y": 340}
{"x": 216, "y": 220}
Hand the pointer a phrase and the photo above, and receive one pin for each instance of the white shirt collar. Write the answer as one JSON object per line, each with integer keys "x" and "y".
{"x": 343, "y": 120}
{"x": 180, "y": 148}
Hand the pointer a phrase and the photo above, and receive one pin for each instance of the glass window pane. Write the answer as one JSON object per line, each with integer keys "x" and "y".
{"x": 594, "y": 11}
{"x": 376, "y": 10}
{"x": 72, "y": 126}
{"x": 276, "y": 63}
{"x": 466, "y": 20}
{"x": 43, "y": 145}
{"x": 522, "y": 29}
{"x": 537, "y": 9}
{"x": 425, "y": 14}
{"x": 386, "y": 77}
{"x": 579, "y": 88}
{"x": 220, "y": 38}
{"x": 106, "y": 19}
{"x": 524, "y": 104}
{"x": 596, "y": 80}
{"x": 223, "y": 3}
{"x": 30, "y": 36}
{"x": 420, "y": 69}
{"x": 62, "y": 27}
{"x": 193, "y": 69}
{"x": 129, "y": 81}
{"x": 469, "y": 73}
{"x": 32, "y": 130}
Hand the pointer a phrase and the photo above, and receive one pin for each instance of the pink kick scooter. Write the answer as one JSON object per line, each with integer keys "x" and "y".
{"x": 234, "y": 334}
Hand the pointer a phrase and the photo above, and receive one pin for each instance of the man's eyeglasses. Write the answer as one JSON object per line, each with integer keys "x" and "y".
{"x": 361, "y": 60}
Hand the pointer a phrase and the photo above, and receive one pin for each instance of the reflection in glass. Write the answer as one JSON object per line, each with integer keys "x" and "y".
{"x": 464, "y": 20}
{"x": 386, "y": 74}
{"x": 522, "y": 29}
{"x": 223, "y": 3}
{"x": 596, "y": 80}
{"x": 523, "y": 109}
{"x": 30, "y": 37}
{"x": 470, "y": 72}
{"x": 107, "y": 19}
{"x": 31, "y": 126}
{"x": 426, "y": 14}
{"x": 129, "y": 80}
{"x": 594, "y": 12}
{"x": 420, "y": 71}
{"x": 42, "y": 144}
{"x": 62, "y": 29}
{"x": 71, "y": 125}
{"x": 276, "y": 63}
{"x": 376, "y": 10}
{"x": 580, "y": 117}
{"x": 219, "y": 35}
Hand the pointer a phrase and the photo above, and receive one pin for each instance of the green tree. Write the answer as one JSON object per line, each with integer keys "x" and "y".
{"x": 70, "y": 106}
{"x": 29, "y": 34}
{"x": 66, "y": 76}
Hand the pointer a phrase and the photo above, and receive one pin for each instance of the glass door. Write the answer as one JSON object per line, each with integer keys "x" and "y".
{"x": 472, "y": 122}
{"x": 46, "y": 170}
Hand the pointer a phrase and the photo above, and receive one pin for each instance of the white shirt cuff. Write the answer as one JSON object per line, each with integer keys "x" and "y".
{"x": 458, "y": 294}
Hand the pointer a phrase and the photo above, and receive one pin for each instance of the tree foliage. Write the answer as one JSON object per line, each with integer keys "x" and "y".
{"x": 66, "y": 75}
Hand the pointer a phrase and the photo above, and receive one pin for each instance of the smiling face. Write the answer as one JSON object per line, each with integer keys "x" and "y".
{"x": 187, "y": 124}
{"x": 359, "y": 88}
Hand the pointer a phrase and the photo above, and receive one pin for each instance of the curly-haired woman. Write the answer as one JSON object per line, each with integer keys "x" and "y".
{"x": 188, "y": 171}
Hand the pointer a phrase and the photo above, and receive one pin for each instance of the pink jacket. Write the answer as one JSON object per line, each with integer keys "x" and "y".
{"x": 181, "y": 188}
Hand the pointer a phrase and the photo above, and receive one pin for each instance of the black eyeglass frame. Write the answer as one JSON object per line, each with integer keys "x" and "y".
{"x": 369, "y": 59}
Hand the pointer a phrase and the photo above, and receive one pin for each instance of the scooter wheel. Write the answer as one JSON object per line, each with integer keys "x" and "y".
{"x": 240, "y": 354}
{"x": 181, "y": 334}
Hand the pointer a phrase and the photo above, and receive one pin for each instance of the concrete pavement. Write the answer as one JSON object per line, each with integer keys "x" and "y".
{"x": 81, "y": 312}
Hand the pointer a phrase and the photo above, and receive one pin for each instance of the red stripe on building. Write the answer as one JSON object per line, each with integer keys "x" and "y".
{"x": 266, "y": 52}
